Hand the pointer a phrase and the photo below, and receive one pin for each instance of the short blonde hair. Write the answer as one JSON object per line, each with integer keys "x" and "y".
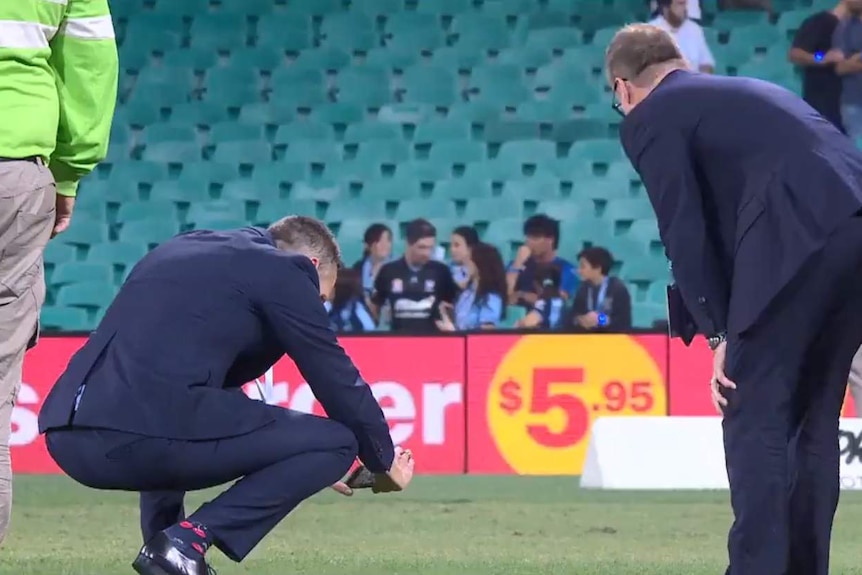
{"x": 638, "y": 50}
{"x": 308, "y": 236}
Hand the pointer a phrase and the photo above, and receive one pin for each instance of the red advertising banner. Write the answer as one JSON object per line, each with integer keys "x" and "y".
{"x": 531, "y": 399}
{"x": 689, "y": 372}
{"x": 419, "y": 383}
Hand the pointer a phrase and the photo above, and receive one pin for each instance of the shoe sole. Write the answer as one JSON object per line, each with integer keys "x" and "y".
{"x": 143, "y": 565}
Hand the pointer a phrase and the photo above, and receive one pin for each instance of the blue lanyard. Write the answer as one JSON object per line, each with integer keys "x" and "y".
{"x": 600, "y": 299}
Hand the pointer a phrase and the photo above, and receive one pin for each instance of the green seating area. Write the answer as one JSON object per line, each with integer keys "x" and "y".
{"x": 236, "y": 112}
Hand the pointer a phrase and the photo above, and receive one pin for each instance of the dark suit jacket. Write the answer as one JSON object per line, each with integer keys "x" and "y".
{"x": 199, "y": 316}
{"x": 747, "y": 182}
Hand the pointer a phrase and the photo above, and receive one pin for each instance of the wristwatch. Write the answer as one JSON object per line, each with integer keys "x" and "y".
{"x": 716, "y": 340}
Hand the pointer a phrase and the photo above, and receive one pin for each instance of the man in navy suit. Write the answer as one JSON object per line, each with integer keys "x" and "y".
{"x": 758, "y": 203}
{"x": 152, "y": 401}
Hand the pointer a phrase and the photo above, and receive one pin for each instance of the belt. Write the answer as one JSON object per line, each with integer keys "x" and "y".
{"x": 30, "y": 159}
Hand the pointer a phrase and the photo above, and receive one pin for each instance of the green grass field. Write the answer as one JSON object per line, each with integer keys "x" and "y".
{"x": 441, "y": 526}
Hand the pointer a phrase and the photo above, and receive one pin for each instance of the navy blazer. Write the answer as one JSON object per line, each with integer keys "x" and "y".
{"x": 747, "y": 182}
{"x": 198, "y": 317}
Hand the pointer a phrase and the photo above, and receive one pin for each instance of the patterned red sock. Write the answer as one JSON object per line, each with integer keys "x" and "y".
{"x": 192, "y": 537}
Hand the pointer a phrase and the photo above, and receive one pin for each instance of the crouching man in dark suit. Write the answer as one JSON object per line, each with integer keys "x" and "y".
{"x": 151, "y": 403}
{"x": 758, "y": 202}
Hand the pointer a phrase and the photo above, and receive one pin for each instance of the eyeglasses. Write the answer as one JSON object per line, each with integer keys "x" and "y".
{"x": 615, "y": 104}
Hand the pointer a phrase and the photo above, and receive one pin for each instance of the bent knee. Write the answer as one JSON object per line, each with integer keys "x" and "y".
{"x": 343, "y": 439}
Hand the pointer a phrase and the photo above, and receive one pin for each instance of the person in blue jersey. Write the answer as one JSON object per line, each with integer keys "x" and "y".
{"x": 547, "y": 312}
{"x": 460, "y": 243}
{"x": 541, "y": 240}
{"x": 349, "y": 312}
{"x": 378, "y": 251}
{"x": 602, "y": 303}
{"x": 481, "y": 304}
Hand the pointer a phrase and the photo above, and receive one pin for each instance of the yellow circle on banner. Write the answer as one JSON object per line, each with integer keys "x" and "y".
{"x": 547, "y": 391}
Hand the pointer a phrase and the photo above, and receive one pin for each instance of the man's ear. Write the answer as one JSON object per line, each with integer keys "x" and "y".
{"x": 315, "y": 262}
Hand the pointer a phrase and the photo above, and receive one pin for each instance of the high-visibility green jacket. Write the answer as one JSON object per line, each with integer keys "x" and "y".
{"x": 58, "y": 84}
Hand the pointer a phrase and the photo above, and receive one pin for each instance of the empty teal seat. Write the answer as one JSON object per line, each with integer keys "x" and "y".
{"x": 530, "y": 57}
{"x": 284, "y": 32}
{"x": 227, "y": 78}
{"x": 303, "y": 130}
{"x": 603, "y": 189}
{"x": 324, "y": 58}
{"x": 278, "y": 173}
{"x": 172, "y": 152}
{"x": 503, "y": 130}
{"x": 116, "y": 189}
{"x": 156, "y": 96}
{"x": 208, "y": 173}
{"x": 564, "y": 210}
{"x": 756, "y": 36}
{"x": 364, "y": 86}
{"x": 443, "y": 7}
{"x": 558, "y": 38}
{"x": 132, "y": 171}
{"x": 494, "y": 170}
{"x": 425, "y": 208}
{"x": 439, "y": 129}
{"x": 730, "y": 20}
{"x": 90, "y": 295}
{"x": 185, "y": 8}
{"x": 328, "y": 193}
{"x": 270, "y": 212}
{"x": 185, "y": 191}
{"x": 84, "y": 231}
{"x": 315, "y": 7}
{"x": 246, "y": 7}
{"x": 147, "y": 211}
{"x": 461, "y": 189}
{"x": 480, "y": 31}
{"x": 371, "y": 130}
{"x": 63, "y": 318}
{"x": 429, "y": 85}
{"x": 313, "y": 152}
{"x": 528, "y": 152}
{"x": 390, "y": 190}
{"x": 168, "y": 132}
{"x": 544, "y": 111}
{"x": 148, "y": 232}
{"x": 351, "y": 171}
{"x": 421, "y": 31}
{"x": 233, "y": 131}
{"x": 199, "y": 113}
{"x": 645, "y": 269}
{"x": 250, "y": 152}
{"x": 350, "y": 30}
{"x": 536, "y": 189}
{"x": 196, "y": 59}
{"x": 377, "y": 7}
{"x": 217, "y": 32}
{"x": 392, "y": 57}
{"x": 644, "y": 231}
{"x": 424, "y": 170}
{"x": 147, "y": 38}
{"x": 166, "y": 74}
{"x": 629, "y": 210}
{"x": 459, "y": 58}
{"x": 486, "y": 210}
{"x": 256, "y": 58}
{"x": 58, "y": 253}
{"x": 220, "y": 210}
{"x": 501, "y": 232}
{"x": 248, "y": 190}
{"x": 573, "y": 130}
{"x": 337, "y": 113}
{"x": 267, "y": 113}
{"x": 597, "y": 151}
{"x": 117, "y": 253}
{"x": 76, "y": 272}
{"x": 383, "y": 152}
{"x": 475, "y": 112}
{"x": 456, "y": 152}
{"x": 352, "y": 209}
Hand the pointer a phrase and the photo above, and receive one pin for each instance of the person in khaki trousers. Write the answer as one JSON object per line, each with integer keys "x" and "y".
{"x": 854, "y": 381}
{"x": 58, "y": 85}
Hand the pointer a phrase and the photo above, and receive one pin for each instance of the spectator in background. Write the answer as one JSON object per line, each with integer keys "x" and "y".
{"x": 58, "y": 85}
{"x": 602, "y": 303}
{"x": 813, "y": 51}
{"x": 547, "y": 312}
{"x": 687, "y": 33}
{"x": 378, "y": 251}
{"x": 349, "y": 312}
{"x": 848, "y": 40}
{"x": 462, "y": 241}
{"x": 692, "y": 8}
{"x": 482, "y": 302}
{"x": 541, "y": 240}
{"x": 415, "y": 285}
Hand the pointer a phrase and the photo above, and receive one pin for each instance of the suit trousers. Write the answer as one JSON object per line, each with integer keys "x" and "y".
{"x": 781, "y": 423}
{"x": 27, "y": 207}
{"x": 277, "y": 467}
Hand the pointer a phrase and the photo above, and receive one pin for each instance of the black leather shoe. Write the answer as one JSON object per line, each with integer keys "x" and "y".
{"x": 161, "y": 557}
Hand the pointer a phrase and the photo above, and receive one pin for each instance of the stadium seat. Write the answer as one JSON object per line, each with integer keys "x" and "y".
{"x": 138, "y": 172}
{"x": 312, "y": 152}
{"x": 629, "y": 210}
{"x": 273, "y": 211}
{"x": 247, "y": 190}
{"x": 199, "y": 113}
{"x": 377, "y": 7}
{"x": 84, "y": 231}
{"x": 353, "y": 209}
{"x": 351, "y": 171}
{"x": 390, "y": 190}
{"x": 564, "y": 210}
{"x": 555, "y": 39}
{"x": 267, "y": 113}
{"x": 573, "y": 130}
{"x": 195, "y": 59}
{"x": 337, "y": 113}
{"x": 200, "y": 214}
{"x": 383, "y": 152}
{"x": 529, "y": 58}
{"x": 207, "y": 172}
{"x": 462, "y": 190}
{"x": 185, "y": 191}
{"x": 528, "y": 152}
{"x": 756, "y": 37}
{"x": 494, "y": 170}
{"x": 117, "y": 253}
{"x": 279, "y": 173}
{"x": 167, "y": 132}
{"x": 284, "y": 33}
{"x": 503, "y": 130}
{"x": 456, "y": 58}
{"x": 218, "y": 32}
{"x": 250, "y": 152}
{"x": 603, "y": 189}
{"x": 235, "y": 131}
{"x": 597, "y": 151}
{"x": 62, "y": 318}
{"x": 58, "y": 253}
{"x": 431, "y": 85}
{"x": 504, "y": 232}
{"x": 731, "y": 20}
{"x": 424, "y": 170}
{"x": 324, "y": 58}
{"x": 417, "y": 30}
{"x": 364, "y": 86}
{"x": 475, "y": 112}
{"x": 456, "y": 152}
{"x": 256, "y": 58}
{"x": 256, "y": 8}
{"x": 543, "y": 111}
{"x": 425, "y": 208}
{"x": 486, "y": 210}
{"x": 371, "y": 130}
{"x": 303, "y": 130}
{"x": 147, "y": 211}
{"x": 88, "y": 295}
{"x": 480, "y": 32}
{"x": 646, "y": 269}
{"x": 176, "y": 152}
{"x": 439, "y": 129}
{"x": 392, "y": 57}
{"x": 535, "y": 189}
{"x": 443, "y": 7}
{"x": 148, "y": 232}
{"x": 77, "y": 272}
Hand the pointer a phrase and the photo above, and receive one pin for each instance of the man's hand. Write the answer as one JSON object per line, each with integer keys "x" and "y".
{"x": 342, "y": 488}
{"x": 521, "y": 256}
{"x": 589, "y": 320}
{"x": 399, "y": 476}
{"x": 65, "y": 206}
{"x": 719, "y": 379}
{"x": 833, "y": 56}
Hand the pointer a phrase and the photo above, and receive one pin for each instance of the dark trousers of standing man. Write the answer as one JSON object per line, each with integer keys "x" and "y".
{"x": 278, "y": 466}
{"x": 781, "y": 423}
